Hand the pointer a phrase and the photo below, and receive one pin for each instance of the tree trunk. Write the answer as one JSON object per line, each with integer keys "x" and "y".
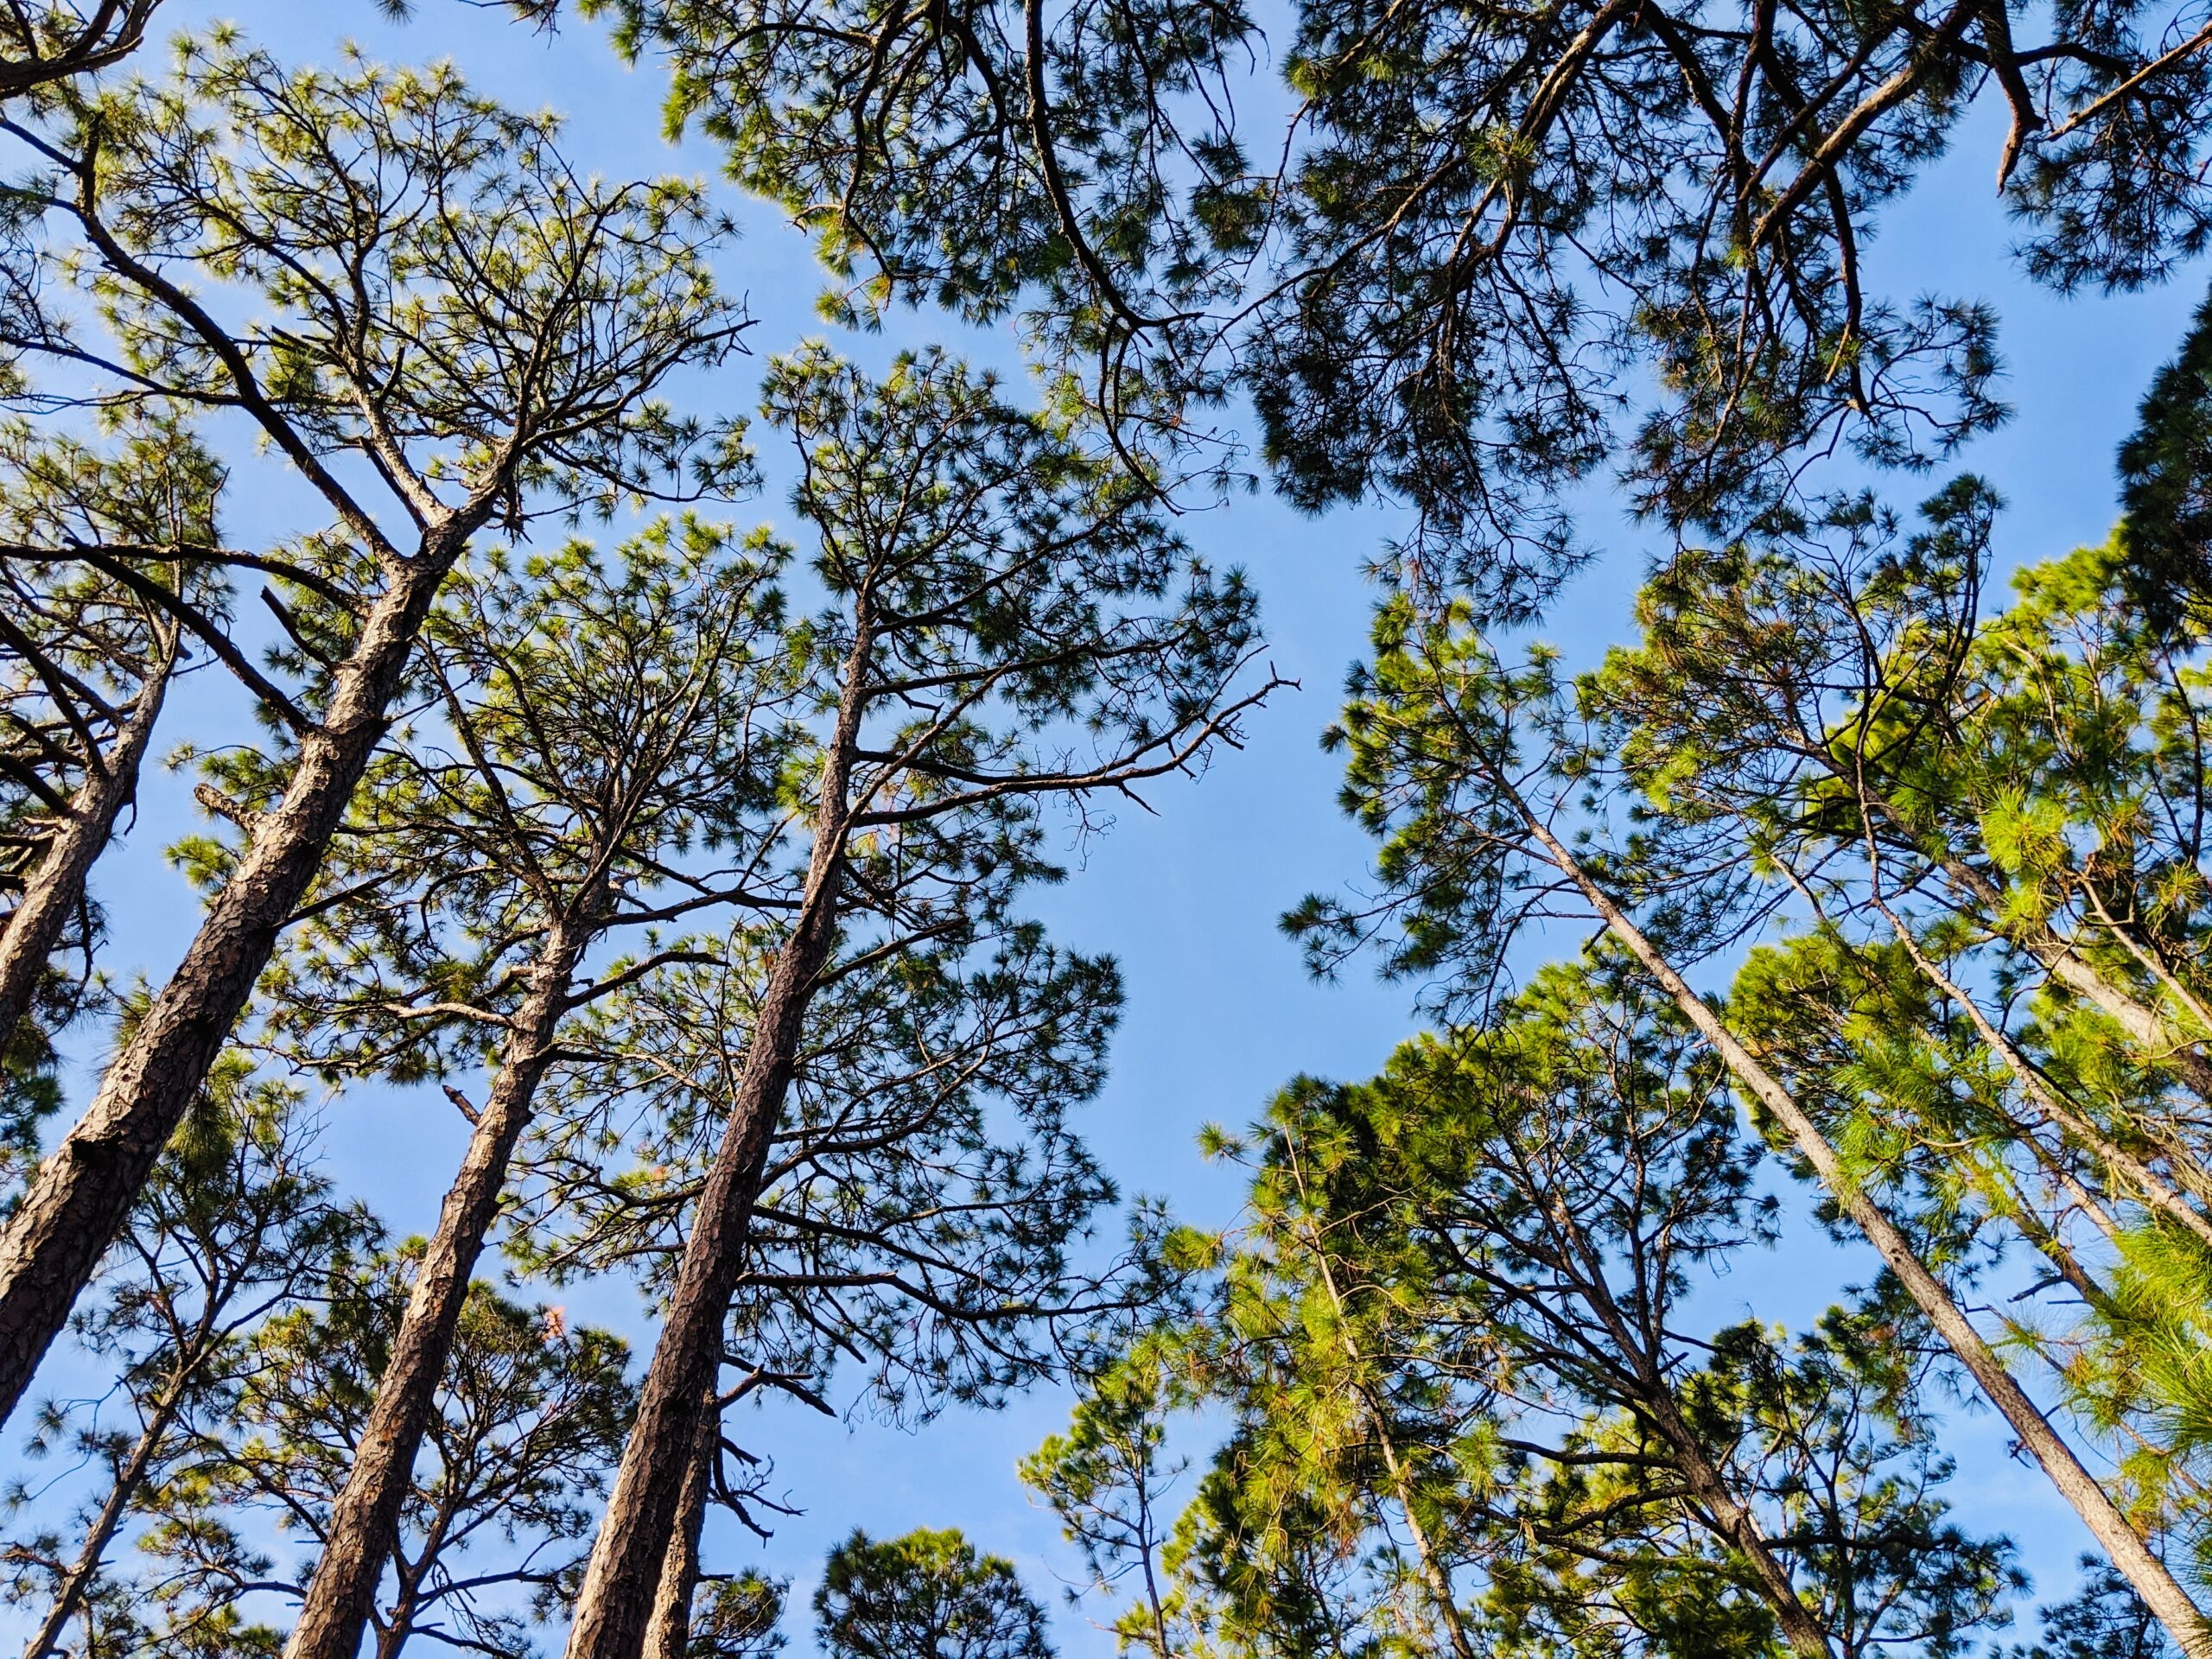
{"x": 1733, "y": 1520}
{"x": 615, "y": 1603}
{"x": 364, "y": 1521}
{"x": 56, "y": 888}
{"x": 78, "y": 1198}
{"x": 46, "y": 1641}
{"x": 2160, "y": 1591}
{"x": 1644, "y": 1388}
{"x": 668, "y": 1634}
{"x": 1435, "y": 1574}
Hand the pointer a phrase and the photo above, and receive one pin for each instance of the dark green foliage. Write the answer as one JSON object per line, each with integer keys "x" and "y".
{"x": 592, "y": 745}
{"x": 1472, "y": 1409}
{"x": 2165, "y": 484}
{"x": 30, "y": 1093}
{"x": 926, "y": 1197}
{"x": 929, "y": 1595}
{"x": 2101, "y": 1620}
{"x": 530, "y": 1416}
{"x": 736, "y": 1617}
{"x": 1498, "y": 255}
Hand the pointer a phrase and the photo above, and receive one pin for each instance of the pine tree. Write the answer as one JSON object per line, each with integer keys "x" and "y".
{"x": 444, "y": 303}
{"x": 1491, "y": 258}
{"x": 929, "y": 1595}
{"x": 528, "y": 1419}
{"x": 2165, "y": 471}
{"x": 52, "y": 40}
{"x": 587, "y": 726}
{"x": 1007, "y": 624}
{"x": 1478, "y": 774}
{"x": 98, "y": 548}
{"x": 239, "y": 1226}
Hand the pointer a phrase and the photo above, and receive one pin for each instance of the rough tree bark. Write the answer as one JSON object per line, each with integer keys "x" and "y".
{"x": 614, "y": 1606}
{"x": 668, "y": 1635}
{"x": 364, "y": 1521}
{"x": 56, "y": 888}
{"x": 78, "y": 1198}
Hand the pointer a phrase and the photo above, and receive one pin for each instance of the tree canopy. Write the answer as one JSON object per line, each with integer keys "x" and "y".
{"x": 1803, "y": 1033}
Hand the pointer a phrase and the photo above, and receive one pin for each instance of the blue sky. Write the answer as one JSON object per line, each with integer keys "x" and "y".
{"x": 1220, "y": 1013}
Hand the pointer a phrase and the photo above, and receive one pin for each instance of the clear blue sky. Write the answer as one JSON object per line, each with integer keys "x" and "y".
{"x": 1219, "y": 1013}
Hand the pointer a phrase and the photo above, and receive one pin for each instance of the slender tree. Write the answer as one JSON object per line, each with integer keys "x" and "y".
{"x": 90, "y": 654}
{"x": 1987, "y": 827}
{"x": 1469, "y": 1286}
{"x": 915, "y": 1231}
{"x": 586, "y": 723}
{"x": 238, "y": 1225}
{"x": 1469, "y": 1411}
{"x": 922, "y": 1194}
{"x": 1110, "y": 1479}
{"x": 1006, "y": 623}
{"x": 456, "y": 329}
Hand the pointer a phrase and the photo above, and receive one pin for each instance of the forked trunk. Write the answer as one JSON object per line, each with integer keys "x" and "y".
{"x": 615, "y": 1604}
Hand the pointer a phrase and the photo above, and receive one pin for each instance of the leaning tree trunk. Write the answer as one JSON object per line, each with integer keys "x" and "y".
{"x": 363, "y": 1522}
{"x": 46, "y": 1641}
{"x": 614, "y": 1606}
{"x": 78, "y": 1200}
{"x": 1733, "y": 1519}
{"x": 668, "y": 1633}
{"x": 56, "y": 888}
{"x": 2151, "y": 1578}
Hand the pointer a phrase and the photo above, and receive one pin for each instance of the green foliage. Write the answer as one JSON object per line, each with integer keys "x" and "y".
{"x": 30, "y": 1093}
{"x": 926, "y": 1170}
{"x": 2165, "y": 467}
{"x": 736, "y": 1617}
{"x": 1109, "y": 1477}
{"x": 238, "y": 1228}
{"x": 929, "y": 1595}
{"x": 2101, "y": 1620}
{"x": 1006, "y": 625}
{"x": 596, "y": 739}
{"x": 1493, "y": 255}
{"x": 1470, "y": 1410}
{"x": 532, "y": 1413}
